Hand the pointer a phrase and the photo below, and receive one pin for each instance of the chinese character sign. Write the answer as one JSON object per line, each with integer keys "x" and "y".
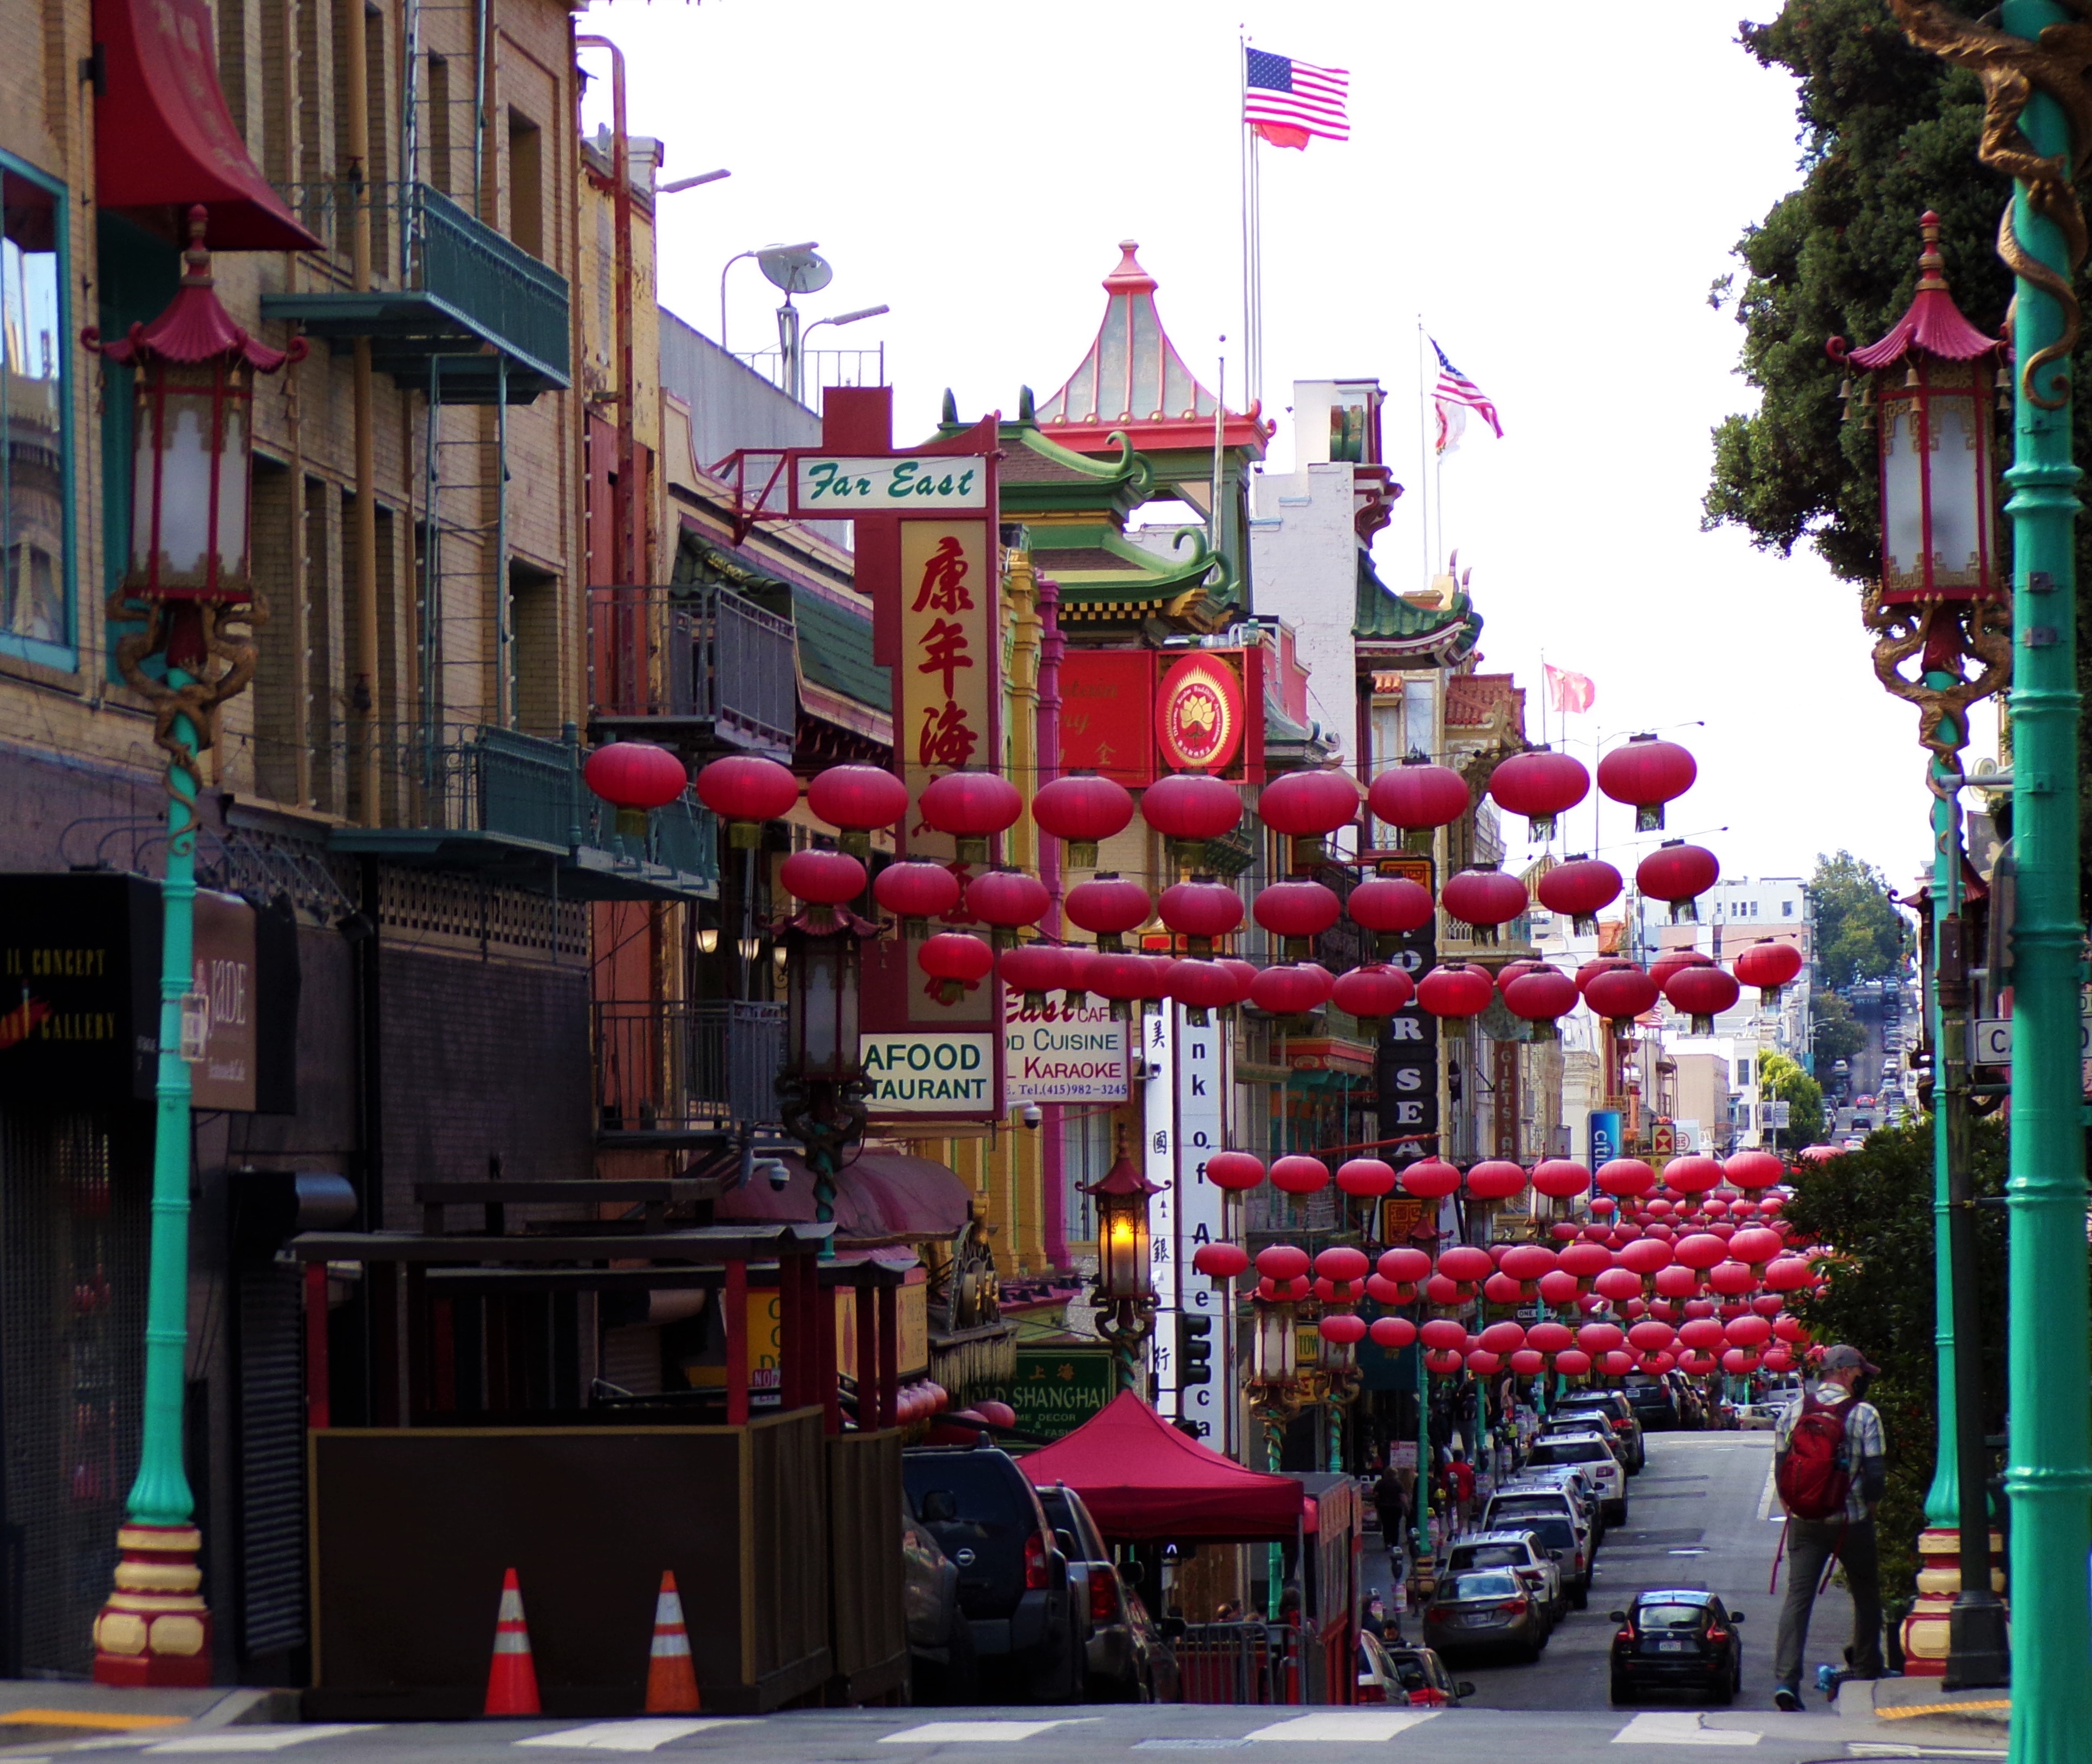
{"x": 945, "y": 688}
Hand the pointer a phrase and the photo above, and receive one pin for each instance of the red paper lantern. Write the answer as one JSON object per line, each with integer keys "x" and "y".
{"x": 1692, "y": 1174}
{"x": 1525, "y": 1263}
{"x": 1300, "y": 1175}
{"x": 1201, "y": 909}
{"x": 636, "y": 777}
{"x": 1124, "y": 978}
{"x": 955, "y": 962}
{"x": 1430, "y": 1178}
{"x": 1416, "y": 795}
{"x": 1343, "y": 1327}
{"x": 1732, "y": 1280}
{"x": 1445, "y": 1334}
{"x": 1626, "y": 1176}
{"x": 1501, "y": 1289}
{"x": 1598, "y": 965}
{"x": 1484, "y": 898}
{"x": 1496, "y": 1178}
{"x": 1081, "y": 810}
{"x": 1293, "y": 990}
{"x": 1541, "y": 997}
{"x": 1188, "y": 808}
{"x": 1343, "y": 1263}
{"x": 1453, "y": 989}
{"x": 1282, "y": 1262}
{"x": 1789, "y": 1274}
{"x": 1572, "y": 1362}
{"x": 1233, "y": 1171}
{"x": 1647, "y": 773}
{"x": 1108, "y": 906}
{"x": 1539, "y": 786}
{"x": 1371, "y": 993}
{"x": 973, "y": 806}
{"x": 1678, "y": 873}
{"x": 744, "y": 790}
{"x": 1559, "y": 1179}
{"x": 1768, "y": 966}
{"x": 1621, "y": 994}
{"x": 1503, "y": 1338}
{"x": 1390, "y": 905}
{"x": 1296, "y": 911}
{"x": 1036, "y": 969}
{"x": 1366, "y": 1177}
{"x": 1754, "y": 1170}
{"x": 1748, "y": 1332}
{"x": 1526, "y": 1362}
{"x": 1404, "y": 1265}
{"x": 1549, "y": 1338}
{"x": 1617, "y": 1284}
{"x": 1308, "y": 806}
{"x": 856, "y": 798}
{"x": 1393, "y": 1331}
{"x": 1580, "y": 889}
{"x": 1701, "y": 1249}
{"x": 1200, "y": 987}
{"x": 826, "y": 878}
{"x": 915, "y": 894}
{"x": 1006, "y": 899}
{"x": 1220, "y": 1261}
{"x": 1704, "y": 992}
{"x": 1757, "y": 1245}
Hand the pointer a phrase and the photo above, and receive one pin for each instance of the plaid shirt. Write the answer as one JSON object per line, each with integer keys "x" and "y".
{"x": 1866, "y": 1449}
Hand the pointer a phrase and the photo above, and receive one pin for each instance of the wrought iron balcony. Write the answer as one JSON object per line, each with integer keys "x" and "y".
{"x": 661, "y": 1067}
{"x": 477, "y": 796}
{"x": 694, "y": 667}
{"x": 455, "y": 303}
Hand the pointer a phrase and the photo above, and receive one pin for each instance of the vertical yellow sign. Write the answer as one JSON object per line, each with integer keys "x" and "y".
{"x": 950, "y": 657}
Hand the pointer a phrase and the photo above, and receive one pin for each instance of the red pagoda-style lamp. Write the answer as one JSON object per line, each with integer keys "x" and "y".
{"x": 1126, "y": 1284}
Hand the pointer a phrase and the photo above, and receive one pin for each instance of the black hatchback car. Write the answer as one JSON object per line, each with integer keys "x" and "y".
{"x": 1677, "y": 1640}
{"x": 1013, "y": 1580}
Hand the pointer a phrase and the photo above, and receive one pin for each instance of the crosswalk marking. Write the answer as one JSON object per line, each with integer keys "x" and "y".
{"x": 1359, "y": 1726}
{"x": 1680, "y": 1727}
{"x": 624, "y": 1735}
{"x": 972, "y": 1732}
{"x": 259, "y": 1739}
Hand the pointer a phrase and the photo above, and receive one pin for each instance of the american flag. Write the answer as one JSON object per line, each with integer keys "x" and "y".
{"x": 1285, "y": 101}
{"x": 1453, "y": 396}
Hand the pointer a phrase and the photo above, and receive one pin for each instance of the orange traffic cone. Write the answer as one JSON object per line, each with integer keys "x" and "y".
{"x": 512, "y": 1681}
{"x": 672, "y": 1681}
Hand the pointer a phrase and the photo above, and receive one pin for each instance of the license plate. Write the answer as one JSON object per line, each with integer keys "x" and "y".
{"x": 1671, "y": 1647}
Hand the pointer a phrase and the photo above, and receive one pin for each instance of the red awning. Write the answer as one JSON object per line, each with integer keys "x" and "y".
{"x": 1142, "y": 1479}
{"x": 163, "y": 139}
{"x": 881, "y": 1197}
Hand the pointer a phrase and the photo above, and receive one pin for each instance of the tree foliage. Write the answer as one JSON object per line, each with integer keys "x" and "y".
{"x": 1871, "y": 1211}
{"x": 1837, "y": 1033}
{"x": 1859, "y": 933}
{"x": 1886, "y": 132}
{"x": 1782, "y": 1080}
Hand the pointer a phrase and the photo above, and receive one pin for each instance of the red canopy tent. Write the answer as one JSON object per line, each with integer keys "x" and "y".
{"x": 1143, "y": 1481}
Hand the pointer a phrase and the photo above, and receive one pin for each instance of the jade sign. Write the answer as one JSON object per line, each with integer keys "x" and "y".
{"x": 833, "y": 484}
{"x": 1058, "y": 1389}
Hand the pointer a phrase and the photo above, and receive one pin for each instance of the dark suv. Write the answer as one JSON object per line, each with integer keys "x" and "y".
{"x": 1617, "y": 1410}
{"x": 1652, "y": 1400}
{"x": 1014, "y": 1585}
{"x": 1110, "y": 1653}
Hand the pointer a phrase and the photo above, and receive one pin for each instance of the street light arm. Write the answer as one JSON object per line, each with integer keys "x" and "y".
{"x": 804, "y": 244}
{"x": 848, "y": 318}
{"x": 691, "y": 183}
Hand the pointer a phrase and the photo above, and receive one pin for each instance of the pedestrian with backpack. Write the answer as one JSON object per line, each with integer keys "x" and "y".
{"x": 1830, "y": 1465}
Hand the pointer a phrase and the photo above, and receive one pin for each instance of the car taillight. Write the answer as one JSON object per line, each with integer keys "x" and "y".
{"x": 1515, "y": 1606}
{"x": 1622, "y": 1427}
{"x": 1718, "y": 1637}
{"x": 1369, "y": 1689}
{"x": 1436, "y": 1614}
{"x": 1104, "y": 1597}
{"x": 1624, "y": 1635}
{"x": 1035, "y": 1562}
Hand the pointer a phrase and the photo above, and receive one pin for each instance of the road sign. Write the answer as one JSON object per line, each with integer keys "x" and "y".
{"x": 1993, "y": 1039}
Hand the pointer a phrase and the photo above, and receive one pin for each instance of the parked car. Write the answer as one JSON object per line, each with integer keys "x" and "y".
{"x": 1490, "y": 1608}
{"x": 1554, "y": 1516}
{"x": 1588, "y": 1448}
{"x": 1424, "y": 1680}
{"x": 1619, "y": 1414}
{"x": 1159, "y": 1671}
{"x": 1014, "y": 1580}
{"x": 1692, "y": 1404}
{"x": 1525, "y": 1555}
{"x": 1677, "y": 1640}
{"x": 1653, "y": 1401}
{"x": 941, "y": 1641}
{"x": 1111, "y": 1657}
{"x": 1579, "y": 1482}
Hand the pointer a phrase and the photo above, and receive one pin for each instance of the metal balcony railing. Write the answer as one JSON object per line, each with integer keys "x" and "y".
{"x": 701, "y": 661}
{"x": 473, "y": 285}
{"x": 665, "y": 1066}
{"x": 818, "y": 369}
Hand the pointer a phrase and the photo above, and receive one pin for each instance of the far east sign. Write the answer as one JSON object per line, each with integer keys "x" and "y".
{"x": 827, "y": 485}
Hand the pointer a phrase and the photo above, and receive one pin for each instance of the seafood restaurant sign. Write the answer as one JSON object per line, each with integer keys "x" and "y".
{"x": 1057, "y": 1055}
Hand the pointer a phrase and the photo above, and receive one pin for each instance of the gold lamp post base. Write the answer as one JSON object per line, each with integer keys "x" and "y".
{"x": 155, "y": 1629}
{"x": 1925, "y": 1630}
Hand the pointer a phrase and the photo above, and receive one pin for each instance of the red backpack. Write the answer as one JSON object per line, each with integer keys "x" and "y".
{"x": 1816, "y": 1476}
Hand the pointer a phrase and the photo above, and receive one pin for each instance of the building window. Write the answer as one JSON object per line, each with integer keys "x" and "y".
{"x": 526, "y": 183}
{"x": 1787, "y": 909}
{"x": 1087, "y": 1152}
{"x": 36, "y": 508}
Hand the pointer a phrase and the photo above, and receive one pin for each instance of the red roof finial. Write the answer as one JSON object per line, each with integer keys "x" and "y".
{"x": 1929, "y": 262}
{"x": 197, "y": 259}
{"x": 1129, "y": 278}
{"x": 1932, "y": 324}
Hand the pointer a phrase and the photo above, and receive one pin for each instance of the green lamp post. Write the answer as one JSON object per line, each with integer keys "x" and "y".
{"x": 1938, "y": 602}
{"x": 189, "y": 574}
{"x": 2037, "y": 130}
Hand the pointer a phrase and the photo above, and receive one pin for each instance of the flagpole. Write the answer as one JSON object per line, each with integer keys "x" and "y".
{"x": 1423, "y": 455}
{"x": 1254, "y": 383}
{"x": 1438, "y": 495}
{"x": 1242, "y": 174}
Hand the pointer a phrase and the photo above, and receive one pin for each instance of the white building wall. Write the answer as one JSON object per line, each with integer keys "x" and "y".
{"x": 1304, "y": 560}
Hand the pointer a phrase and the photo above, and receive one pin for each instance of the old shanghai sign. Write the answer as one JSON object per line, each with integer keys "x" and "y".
{"x": 1059, "y": 1055}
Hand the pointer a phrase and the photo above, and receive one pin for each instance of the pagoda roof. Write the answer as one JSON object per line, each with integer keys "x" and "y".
{"x": 1934, "y": 325}
{"x": 1389, "y": 625}
{"x": 1106, "y": 578}
{"x": 1134, "y": 381}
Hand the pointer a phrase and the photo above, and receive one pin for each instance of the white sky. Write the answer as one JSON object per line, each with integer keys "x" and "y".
{"x": 1555, "y": 197}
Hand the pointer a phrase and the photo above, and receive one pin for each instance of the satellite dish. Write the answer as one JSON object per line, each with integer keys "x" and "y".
{"x": 796, "y": 270}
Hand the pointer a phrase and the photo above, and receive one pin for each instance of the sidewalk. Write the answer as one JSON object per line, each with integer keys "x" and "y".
{"x": 37, "y": 1713}
{"x": 1904, "y": 1705}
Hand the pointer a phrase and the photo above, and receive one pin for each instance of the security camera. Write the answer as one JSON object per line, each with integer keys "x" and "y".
{"x": 775, "y": 1170}
{"x": 1031, "y": 1114}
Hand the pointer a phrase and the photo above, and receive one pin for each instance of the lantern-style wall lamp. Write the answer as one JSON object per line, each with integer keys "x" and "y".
{"x": 1125, "y": 1282}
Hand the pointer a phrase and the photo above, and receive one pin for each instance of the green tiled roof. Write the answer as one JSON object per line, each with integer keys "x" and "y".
{"x": 1382, "y": 616}
{"x": 835, "y": 651}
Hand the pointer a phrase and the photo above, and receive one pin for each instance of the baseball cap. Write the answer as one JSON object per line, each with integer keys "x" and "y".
{"x": 1842, "y": 1356}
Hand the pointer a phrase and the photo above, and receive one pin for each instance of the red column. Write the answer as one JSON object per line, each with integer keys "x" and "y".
{"x": 889, "y": 1355}
{"x": 733, "y": 1301}
{"x": 318, "y": 1406}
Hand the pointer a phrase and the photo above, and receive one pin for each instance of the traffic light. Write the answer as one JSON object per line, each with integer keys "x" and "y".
{"x": 1195, "y": 1350}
